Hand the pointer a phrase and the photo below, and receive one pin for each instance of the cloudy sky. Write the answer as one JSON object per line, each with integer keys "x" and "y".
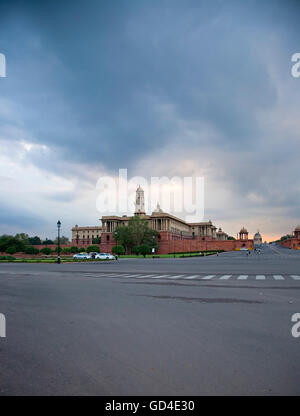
{"x": 160, "y": 87}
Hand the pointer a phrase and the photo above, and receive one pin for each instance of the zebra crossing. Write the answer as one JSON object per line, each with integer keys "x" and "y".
{"x": 204, "y": 277}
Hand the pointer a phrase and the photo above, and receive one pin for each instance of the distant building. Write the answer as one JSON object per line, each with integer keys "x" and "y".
{"x": 169, "y": 227}
{"x": 257, "y": 239}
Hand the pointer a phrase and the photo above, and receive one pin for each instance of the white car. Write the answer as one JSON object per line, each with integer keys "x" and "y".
{"x": 81, "y": 256}
{"x": 105, "y": 256}
{"x": 244, "y": 249}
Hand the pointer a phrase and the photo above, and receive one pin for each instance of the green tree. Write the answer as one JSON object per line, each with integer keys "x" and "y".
{"x": 119, "y": 250}
{"x": 141, "y": 233}
{"x": 12, "y": 250}
{"x": 7, "y": 241}
{"x": 35, "y": 240}
{"x": 47, "y": 242}
{"x": 31, "y": 250}
{"x": 122, "y": 236}
{"x": 93, "y": 248}
{"x": 74, "y": 249}
{"x": 23, "y": 237}
{"x": 144, "y": 249}
{"x": 231, "y": 238}
{"x": 136, "y": 233}
{"x": 81, "y": 250}
{"x": 46, "y": 250}
{"x": 138, "y": 228}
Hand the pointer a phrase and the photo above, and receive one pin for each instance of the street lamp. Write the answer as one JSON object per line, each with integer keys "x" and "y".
{"x": 116, "y": 236}
{"x": 58, "y": 241}
{"x": 153, "y": 249}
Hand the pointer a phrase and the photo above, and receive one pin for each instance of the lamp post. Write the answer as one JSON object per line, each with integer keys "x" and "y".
{"x": 153, "y": 249}
{"x": 116, "y": 236}
{"x": 58, "y": 241}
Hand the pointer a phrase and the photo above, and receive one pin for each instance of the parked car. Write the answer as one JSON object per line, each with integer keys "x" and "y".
{"x": 244, "y": 249}
{"x": 105, "y": 256}
{"x": 81, "y": 256}
{"x": 93, "y": 254}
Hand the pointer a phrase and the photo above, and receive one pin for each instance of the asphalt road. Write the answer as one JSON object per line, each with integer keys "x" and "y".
{"x": 194, "y": 326}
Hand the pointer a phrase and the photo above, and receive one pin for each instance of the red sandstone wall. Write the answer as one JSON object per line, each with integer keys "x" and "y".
{"x": 292, "y": 243}
{"x": 168, "y": 245}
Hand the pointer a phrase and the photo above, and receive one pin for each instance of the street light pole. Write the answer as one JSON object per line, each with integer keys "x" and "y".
{"x": 58, "y": 241}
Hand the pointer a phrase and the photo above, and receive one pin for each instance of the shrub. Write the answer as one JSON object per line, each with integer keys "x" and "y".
{"x": 81, "y": 250}
{"x": 74, "y": 249}
{"x": 93, "y": 248}
{"x": 119, "y": 250}
{"x": 31, "y": 250}
{"x": 144, "y": 249}
{"x": 46, "y": 250}
{"x": 136, "y": 250}
{"x": 66, "y": 250}
{"x": 11, "y": 258}
{"x": 12, "y": 250}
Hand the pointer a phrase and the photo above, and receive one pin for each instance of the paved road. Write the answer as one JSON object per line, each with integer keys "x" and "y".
{"x": 215, "y": 325}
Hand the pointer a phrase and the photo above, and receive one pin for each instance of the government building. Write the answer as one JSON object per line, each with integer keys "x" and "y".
{"x": 293, "y": 241}
{"x": 174, "y": 234}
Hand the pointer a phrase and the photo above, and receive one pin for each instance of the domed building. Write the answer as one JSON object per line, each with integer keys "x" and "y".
{"x": 257, "y": 239}
{"x": 174, "y": 234}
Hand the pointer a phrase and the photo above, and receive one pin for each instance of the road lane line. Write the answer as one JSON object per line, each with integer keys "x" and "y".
{"x": 208, "y": 277}
{"x": 295, "y": 277}
{"x": 192, "y": 277}
{"x": 160, "y": 276}
{"x": 176, "y": 277}
{"x": 226, "y": 277}
{"x": 260, "y": 277}
{"x": 143, "y": 276}
{"x": 127, "y": 276}
{"x": 278, "y": 277}
{"x": 243, "y": 277}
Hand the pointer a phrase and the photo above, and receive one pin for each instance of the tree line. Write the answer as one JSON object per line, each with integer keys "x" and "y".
{"x": 23, "y": 243}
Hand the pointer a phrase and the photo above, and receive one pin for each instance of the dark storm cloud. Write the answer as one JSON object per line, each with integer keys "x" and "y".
{"x": 19, "y": 218}
{"x": 105, "y": 84}
{"x": 92, "y": 76}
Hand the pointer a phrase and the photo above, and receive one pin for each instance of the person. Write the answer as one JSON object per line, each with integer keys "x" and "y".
{"x": 116, "y": 256}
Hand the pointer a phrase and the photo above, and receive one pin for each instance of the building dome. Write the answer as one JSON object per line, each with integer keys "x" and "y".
{"x": 258, "y": 235}
{"x": 297, "y": 228}
{"x": 158, "y": 209}
{"x": 243, "y": 230}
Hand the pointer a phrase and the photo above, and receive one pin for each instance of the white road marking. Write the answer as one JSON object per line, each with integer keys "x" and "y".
{"x": 143, "y": 276}
{"x": 243, "y": 277}
{"x": 160, "y": 276}
{"x": 278, "y": 277}
{"x": 208, "y": 277}
{"x": 260, "y": 277}
{"x": 127, "y": 276}
{"x": 226, "y": 277}
{"x": 176, "y": 277}
{"x": 192, "y": 277}
{"x": 295, "y": 277}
